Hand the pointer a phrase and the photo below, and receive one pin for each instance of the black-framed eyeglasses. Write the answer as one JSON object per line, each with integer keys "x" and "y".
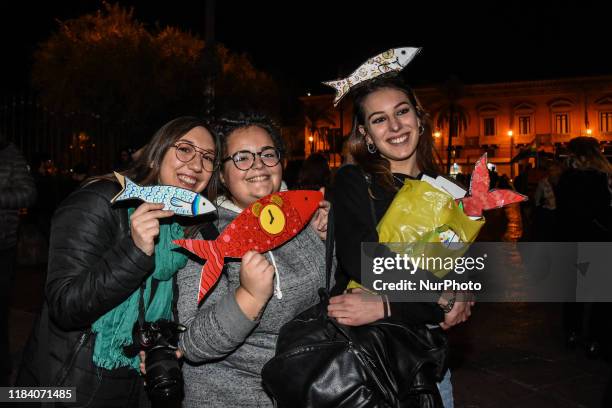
{"x": 186, "y": 151}
{"x": 244, "y": 159}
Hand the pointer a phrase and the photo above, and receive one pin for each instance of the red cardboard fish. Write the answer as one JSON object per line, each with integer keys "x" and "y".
{"x": 264, "y": 225}
{"x": 481, "y": 198}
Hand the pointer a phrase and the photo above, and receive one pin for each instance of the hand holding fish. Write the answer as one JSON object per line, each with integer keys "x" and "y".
{"x": 144, "y": 225}
{"x": 256, "y": 284}
{"x": 264, "y": 225}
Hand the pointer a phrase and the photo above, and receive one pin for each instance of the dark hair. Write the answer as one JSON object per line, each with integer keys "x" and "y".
{"x": 428, "y": 160}
{"x": 314, "y": 173}
{"x": 227, "y": 125}
{"x": 586, "y": 154}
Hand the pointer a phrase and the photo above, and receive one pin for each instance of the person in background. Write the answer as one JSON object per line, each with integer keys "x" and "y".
{"x": 314, "y": 174}
{"x": 347, "y": 157}
{"x": 17, "y": 191}
{"x": 124, "y": 160}
{"x": 546, "y": 204}
{"x": 73, "y": 180}
{"x": 584, "y": 214}
{"x": 49, "y": 195}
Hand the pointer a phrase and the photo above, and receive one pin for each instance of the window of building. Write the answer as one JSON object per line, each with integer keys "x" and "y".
{"x": 524, "y": 123}
{"x": 605, "y": 121}
{"x": 561, "y": 123}
{"x": 489, "y": 126}
{"x": 471, "y": 141}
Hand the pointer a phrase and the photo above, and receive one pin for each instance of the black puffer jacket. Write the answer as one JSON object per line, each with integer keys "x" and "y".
{"x": 16, "y": 191}
{"x": 93, "y": 267}
{"x": 584, "y": 206}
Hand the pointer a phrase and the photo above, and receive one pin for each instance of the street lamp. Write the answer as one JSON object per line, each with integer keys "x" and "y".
{"x": 511, "y": 134}
{"x": 437, "y": 135}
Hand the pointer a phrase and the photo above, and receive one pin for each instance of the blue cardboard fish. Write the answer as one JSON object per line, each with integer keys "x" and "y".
{"x": 179, "y": 200}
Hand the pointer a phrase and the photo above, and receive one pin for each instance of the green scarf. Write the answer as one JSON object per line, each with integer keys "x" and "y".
{"x": 114, "y": 329}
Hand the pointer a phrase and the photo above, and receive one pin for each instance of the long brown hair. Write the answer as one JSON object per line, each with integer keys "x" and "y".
{"x": 586, "y": 155}
{"x": 428, "y": 160}
{"x": 145, "y": 170}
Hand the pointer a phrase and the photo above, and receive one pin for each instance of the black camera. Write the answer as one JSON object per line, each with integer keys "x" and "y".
{"x": 159, "y": 340}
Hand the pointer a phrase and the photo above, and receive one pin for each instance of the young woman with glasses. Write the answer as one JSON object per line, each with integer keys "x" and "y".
{"x": 233, "y": 333}
{"x": 100, "y": 256}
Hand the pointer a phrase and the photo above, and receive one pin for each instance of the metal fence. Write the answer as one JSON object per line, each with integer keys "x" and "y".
{"x": 65, "y": 138}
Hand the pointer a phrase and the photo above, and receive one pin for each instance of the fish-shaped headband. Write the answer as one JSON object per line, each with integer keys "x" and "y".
{"x": 393, "y": 60}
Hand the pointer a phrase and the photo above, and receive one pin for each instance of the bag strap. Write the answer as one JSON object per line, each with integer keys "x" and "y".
{"x": 329, "y": 248}
{"x": 368, "y": 180}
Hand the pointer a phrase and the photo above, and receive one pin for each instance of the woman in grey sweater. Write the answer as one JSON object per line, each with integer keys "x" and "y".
{"x": 233, "y": 333}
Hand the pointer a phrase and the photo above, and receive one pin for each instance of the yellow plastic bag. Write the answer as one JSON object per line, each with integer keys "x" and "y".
{"x": 420, "y": 213}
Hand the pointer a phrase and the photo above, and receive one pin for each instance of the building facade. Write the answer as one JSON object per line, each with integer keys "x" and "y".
{"x": 503, "y": 119}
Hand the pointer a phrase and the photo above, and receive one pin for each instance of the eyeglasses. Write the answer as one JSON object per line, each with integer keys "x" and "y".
{"x": 185, "y": 152}
{"x": 244, "y": 159}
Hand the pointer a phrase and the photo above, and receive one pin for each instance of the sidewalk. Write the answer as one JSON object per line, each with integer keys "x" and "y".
{"x": 513, "y": 355}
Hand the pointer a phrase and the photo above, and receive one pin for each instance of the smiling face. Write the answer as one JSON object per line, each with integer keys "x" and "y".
{"x": 391, "y": 124}
{"x": 190, "y": 175}
{"x": 248, "y": 186}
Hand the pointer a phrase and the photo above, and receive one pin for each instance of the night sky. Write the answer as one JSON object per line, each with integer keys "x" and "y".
{"x": 304, "y": 42}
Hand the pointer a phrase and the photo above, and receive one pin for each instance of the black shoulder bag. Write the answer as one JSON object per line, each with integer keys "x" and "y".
{"x": 321, "y": 363}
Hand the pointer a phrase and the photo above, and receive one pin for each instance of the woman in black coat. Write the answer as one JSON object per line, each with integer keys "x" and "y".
{"x": 100, "y": 257}
{"x": 584, "y": 206}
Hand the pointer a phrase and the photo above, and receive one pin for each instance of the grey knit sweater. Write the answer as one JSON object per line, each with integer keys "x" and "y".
{"x": 224, "y": 350}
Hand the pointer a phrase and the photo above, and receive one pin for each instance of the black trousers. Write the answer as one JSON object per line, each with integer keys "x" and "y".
{"x": 7, "y": 276}
{"x": 589, "y": 320}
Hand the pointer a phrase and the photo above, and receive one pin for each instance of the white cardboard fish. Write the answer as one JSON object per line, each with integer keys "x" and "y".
{"x": 177, "y": 199}
{"x": 393, "y": 60}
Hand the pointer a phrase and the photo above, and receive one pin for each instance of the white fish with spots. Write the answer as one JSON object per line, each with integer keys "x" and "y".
{"x": 393, "y": 60}
{"x": 177, "y": 199}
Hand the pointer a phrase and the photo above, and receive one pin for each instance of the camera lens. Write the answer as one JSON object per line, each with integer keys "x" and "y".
{"x": 164, "y": 376}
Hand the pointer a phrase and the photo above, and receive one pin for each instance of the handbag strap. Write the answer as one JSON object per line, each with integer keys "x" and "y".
{"x": 368, "y": 180}
{"x": 329, "y": 248}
